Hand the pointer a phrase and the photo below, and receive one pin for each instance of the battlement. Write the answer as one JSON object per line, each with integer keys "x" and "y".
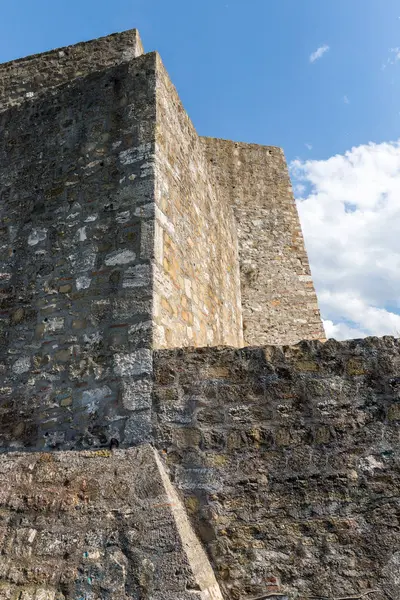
{"x": 25, "y": 78}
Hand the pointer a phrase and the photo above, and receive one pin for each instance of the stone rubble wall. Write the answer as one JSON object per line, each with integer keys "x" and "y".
{"x": 96, "y": 525}
{"x": 197, "y": 299}
{"x": 26, "y": 78}
{"x": 288, "y": 459}
{"x": 76, "y": 247}
{"x": 278, "y": 298}
{"x": 287, "y": 462}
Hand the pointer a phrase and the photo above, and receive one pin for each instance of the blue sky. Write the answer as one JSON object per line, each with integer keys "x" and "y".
{"x": 243, "y": 71}
{"x": 242, "y": 66}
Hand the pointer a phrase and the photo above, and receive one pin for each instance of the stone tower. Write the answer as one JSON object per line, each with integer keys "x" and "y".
{"x": 124, "y": 231}
{"x": 143, "y": 271}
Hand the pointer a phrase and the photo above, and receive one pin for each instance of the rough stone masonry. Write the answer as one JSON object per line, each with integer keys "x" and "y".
{"x": 154, "y": 444}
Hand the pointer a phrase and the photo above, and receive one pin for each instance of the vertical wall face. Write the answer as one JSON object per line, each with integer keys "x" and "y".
{"x": 196, "y": 286}
{"x": 278, "y": 296}
{"x": 26, "y": 78}
{"x": 76, "y": 185}
{"x": 288, "y": 460}
{"x": 97, "y": 525}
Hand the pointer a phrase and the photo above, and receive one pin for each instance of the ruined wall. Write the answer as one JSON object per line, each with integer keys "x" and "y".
{"x": 96, "y": 525}
{"x": 76, "y": 189}
{"x": 28, "y": 77}
{"x": 196, "y": 288}
{"x": 289, "y": 463}
{"x": 278, "y": 297}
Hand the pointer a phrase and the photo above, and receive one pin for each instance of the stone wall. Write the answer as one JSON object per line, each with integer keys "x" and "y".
{"x": 91, "y": 264}
{"x": 197, "y": 287}
{"x": 289, "y": 463}
{"x": 286, "y": 459}
{"x": 98, "y": 525}
{"x": 117, "y": 236}
{"x": 28, "y": 77}
{"x": 278, "y": 297}
{"x": 77, "y": 187}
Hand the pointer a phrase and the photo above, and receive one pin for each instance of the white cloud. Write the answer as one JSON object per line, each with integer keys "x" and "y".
{"x": 299, "y": 189}
{"x": 395, "y": 52}
{"x": 349, "y": 207}
{"x": 318, "y": 53}
{"x": 394, "y": 57}
{"x": 341, "y": 331}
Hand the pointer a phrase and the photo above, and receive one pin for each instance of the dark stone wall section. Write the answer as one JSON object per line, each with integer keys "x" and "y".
{"x": 26, "y": 78}
{"x": 96, "y": 525}
{"x": 76, "y": 243}
{"x": 288, "y": 460}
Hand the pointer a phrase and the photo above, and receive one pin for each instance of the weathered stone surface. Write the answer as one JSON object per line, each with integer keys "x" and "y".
{"x": 90, "y": 195}
{"x": 197, "y": 197}
{"x": 289, "y": 462}
{"x": 26, "y": 78}
{"x": 278, "y": 297}
{"x": 197, "y": 283}
{"x": 99, "y": 525}
{"x": 73, "y": 178}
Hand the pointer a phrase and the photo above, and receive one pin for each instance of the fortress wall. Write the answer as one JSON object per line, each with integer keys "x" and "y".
{"x": 288, "y": 459}
{"x": 96, "y": 525}
{"x": 278, "y": 296}
{"x": 118, "y": 235}
{"x": 76, "y": 243}
{"x": 196, "y": 288}
{"x": 25, "y": 78}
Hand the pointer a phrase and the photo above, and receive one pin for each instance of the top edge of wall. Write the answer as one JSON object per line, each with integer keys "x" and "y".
{"x": 25, "y": 78}
{"x": 239, "y": 144}
{"x": 127, "y": 35}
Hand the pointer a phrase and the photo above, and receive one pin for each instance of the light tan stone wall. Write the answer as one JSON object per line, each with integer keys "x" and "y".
{"x": 278, "y": 297}
{"x": 196, "y": 273}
